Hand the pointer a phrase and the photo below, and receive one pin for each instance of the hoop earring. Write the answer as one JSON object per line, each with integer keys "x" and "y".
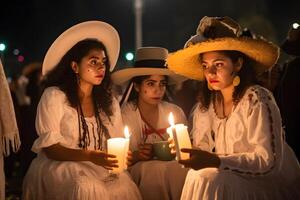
{"x": 236, "y": 81}
{"x": 209, "y": 87}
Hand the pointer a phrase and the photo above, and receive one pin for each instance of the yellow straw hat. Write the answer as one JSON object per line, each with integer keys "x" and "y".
{"x": 217, "y": 34}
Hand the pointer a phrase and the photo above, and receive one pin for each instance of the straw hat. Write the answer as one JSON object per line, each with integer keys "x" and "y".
{"x": 291, "y": 44}
{"x": 149, "y": 61}
{"x": 220, "y": 33}
{"x": 98, "y": 30}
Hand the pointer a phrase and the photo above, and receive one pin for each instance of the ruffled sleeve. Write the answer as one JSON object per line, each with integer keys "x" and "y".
{"x": 48, "y": 118}
{"x": 264, "y": 136}
{"x": 202, "y": 131}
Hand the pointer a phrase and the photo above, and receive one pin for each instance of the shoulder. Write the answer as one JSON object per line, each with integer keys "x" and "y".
{"x": 256, "y": 94}
{"x": 170, "y": 106}
{"x": 53, "y": 93}
{"x": 128, "y": 107}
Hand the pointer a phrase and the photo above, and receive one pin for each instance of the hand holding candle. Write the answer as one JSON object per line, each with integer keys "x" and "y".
{"x": 119, "y": 147}
{"x": 180, "y": 135}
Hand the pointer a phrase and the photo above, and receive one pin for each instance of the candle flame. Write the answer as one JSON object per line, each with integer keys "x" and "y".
{"x": 126, "y": 132}
{"x": 171, "y": 119}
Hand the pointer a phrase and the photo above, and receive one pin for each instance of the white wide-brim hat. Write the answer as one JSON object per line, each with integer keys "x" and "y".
{"x": 97, "y": 30}
{"x": 149, "y": 61}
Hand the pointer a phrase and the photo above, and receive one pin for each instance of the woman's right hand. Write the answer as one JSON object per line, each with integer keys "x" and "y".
{"x": 103, "y": 159}
{"x": 145, "y": 152}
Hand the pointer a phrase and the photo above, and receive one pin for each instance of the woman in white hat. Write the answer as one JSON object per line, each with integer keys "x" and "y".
{"x": 146, "y": 113}
{"x": 239, "y": 149}
{"x": 75, "y": 117}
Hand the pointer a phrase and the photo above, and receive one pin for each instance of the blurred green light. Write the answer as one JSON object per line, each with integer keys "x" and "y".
{"x": 2, "y": 47}
{"x": 129, "y": 56}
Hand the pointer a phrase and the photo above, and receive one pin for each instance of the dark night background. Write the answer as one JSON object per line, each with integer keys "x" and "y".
{"x": 32, "y": 25}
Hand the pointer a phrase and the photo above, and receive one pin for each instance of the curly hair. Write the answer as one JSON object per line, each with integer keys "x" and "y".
{"x": 63, "y": 77}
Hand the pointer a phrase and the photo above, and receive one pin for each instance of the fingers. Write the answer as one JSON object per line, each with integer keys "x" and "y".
{"x": 187, "y": 163}
{"x": 109, "y": 155}
{"x": 187, "y": 150}
{"x": 145, "y": 147}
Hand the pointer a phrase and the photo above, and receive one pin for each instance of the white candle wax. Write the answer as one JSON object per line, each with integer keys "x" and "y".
{"x": 127, "y": 141}
{"x": 181, "y": 138}
{"x": 116, "y": 146}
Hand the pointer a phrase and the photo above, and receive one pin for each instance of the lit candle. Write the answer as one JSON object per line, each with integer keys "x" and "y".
{"x": 116, "y": 146}
{"x": 180, "y": 136}
{"x": 127, "y": 141}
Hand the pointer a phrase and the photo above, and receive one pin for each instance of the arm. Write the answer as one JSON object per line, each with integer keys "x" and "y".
{"x": 60, "y": 153}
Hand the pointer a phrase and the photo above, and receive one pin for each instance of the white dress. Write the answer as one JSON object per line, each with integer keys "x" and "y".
{"x": 156, "y": 179}
{"x": 57, "y": 122}
{"x": 256, "y": 163}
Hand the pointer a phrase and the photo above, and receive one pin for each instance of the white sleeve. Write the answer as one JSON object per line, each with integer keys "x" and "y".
{"x": 49, "y": 115}
{"x": 202, "y": 131}
{"x": 264, "y": 136}
{"x": 180, "y": 116}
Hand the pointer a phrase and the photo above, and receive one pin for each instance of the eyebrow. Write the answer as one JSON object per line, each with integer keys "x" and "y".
{"x": 96, "y": 57}
{"x": 151, "y": 80}
{"x": 218, "y": 59}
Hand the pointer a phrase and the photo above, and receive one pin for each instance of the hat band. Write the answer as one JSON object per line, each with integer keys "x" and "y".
{"x": 150, "y": 63}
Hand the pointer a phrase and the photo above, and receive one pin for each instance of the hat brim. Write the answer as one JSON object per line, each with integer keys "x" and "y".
{"x": 98, "y": 30}
{"x": 186, "y": 61}
{"x": 123, "y": 76}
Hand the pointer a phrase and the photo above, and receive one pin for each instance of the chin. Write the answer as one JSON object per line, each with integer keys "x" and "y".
{"x": 97, "y": 82}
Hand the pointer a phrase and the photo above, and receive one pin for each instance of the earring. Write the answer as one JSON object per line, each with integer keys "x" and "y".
{"x": 236, "y": 81}
{"x": 209, "y": 87}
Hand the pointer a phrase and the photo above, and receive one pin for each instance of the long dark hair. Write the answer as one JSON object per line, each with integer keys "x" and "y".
{"x": 247, "y": 78}
{"x": 65, "y": 79}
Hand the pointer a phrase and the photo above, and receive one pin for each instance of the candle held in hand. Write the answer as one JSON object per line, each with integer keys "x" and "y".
{"x": 127, "y": 142}
{"x": 116, "y": 146}
{"x": 180, "y": 136}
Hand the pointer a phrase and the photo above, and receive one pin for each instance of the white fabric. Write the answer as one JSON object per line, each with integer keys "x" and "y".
{"x": 57, "y": 122}
{"x": 9, "y": 133}
{"x": 256, "y": 163}
{"x": 132, "y": 118}
{"x": 161, "y": 180}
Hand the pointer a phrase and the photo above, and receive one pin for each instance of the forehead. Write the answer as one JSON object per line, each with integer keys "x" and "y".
{"x": 213, "y": 55}
{"x": 156, "y": 78}
{"x": 97, "y": 53}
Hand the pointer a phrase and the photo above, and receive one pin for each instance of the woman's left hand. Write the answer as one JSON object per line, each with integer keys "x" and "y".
{"x": 200, "y": 159}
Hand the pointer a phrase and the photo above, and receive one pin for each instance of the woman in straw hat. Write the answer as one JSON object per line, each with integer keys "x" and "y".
{"x": 146, "y": 112}
{"x": 239, "y": 149}
{"x": 75, "y": 117}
